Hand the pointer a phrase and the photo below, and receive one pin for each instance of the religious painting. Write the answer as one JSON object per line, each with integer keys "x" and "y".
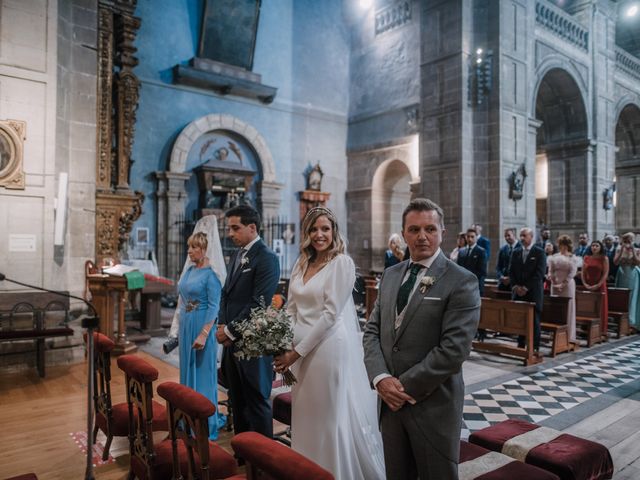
{"x": 229, "y": 31}
{"x": 11, "y": 153}
{"x": 142, "y": 236}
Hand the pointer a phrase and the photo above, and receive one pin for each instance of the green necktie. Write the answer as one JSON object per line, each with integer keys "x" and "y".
{"x": 407, "y": 287}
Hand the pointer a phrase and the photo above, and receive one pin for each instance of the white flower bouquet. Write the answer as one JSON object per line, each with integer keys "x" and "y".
{"x": 267, "y": 331}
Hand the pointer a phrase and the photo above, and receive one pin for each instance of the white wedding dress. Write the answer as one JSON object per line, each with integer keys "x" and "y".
{"x": 334, "y": 410}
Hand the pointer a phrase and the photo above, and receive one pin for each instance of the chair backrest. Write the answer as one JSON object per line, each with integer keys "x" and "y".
{"x": 102, "y": 347}
{"x": 618, "y": 299}
{"x": 588, "y": 303}
{"x": 268, "y": 459}
{"x": 139, "y": 378}
{"x": 188, "y": 414}
{"x": 555, "y": 310}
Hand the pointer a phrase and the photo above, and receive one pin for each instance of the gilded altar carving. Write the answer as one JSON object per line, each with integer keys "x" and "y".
{"x": 12, "y": 136}
{"x": 117, "y": 206}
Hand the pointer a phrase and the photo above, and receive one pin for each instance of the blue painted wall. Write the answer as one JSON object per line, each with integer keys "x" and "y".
{"x": 302, "y": 48}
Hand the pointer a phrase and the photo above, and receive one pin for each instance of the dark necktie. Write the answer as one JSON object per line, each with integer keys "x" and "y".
{"x": 238, "y": 261}
{"x": 407, "y": 287}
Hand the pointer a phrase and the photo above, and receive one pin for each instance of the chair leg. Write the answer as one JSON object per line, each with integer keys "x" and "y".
{"x": 95, "y": 434}
{"x": 107, "y": 446}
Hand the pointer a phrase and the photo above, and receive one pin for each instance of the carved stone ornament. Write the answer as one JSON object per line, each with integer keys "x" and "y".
{"x": 516, "y": 183}
{"x": 314, "y": 178}
{"x": 115, "y": 214}
{"x": 12, "y": 136}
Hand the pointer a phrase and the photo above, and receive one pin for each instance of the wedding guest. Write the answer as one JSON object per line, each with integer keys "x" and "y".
{"x": 545, "y": 237}
{"x": 334, "y": 415}
{"x": 461, "y": 242}
{"x": 504, "y": 259}
{"x": 550, "y": 248}
{"x": 199, "y": 289}
{"x": 395, "y": 253}
{"x": 473, "y": 258}
{"x": 627, "y": 259}
{"x": 595, "y": 270}
{"x": 562, "y": 269}
{"x": 483, "y": 242}
{"x": 583, "y": 245}
{"x": 610, "y": 252}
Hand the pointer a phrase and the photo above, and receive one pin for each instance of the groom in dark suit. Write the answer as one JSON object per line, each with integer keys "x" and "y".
{"x": 252, "y": 279}
{"x": 416, "y": 339}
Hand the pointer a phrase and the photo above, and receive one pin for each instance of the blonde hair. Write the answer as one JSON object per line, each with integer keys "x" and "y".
{"x": 566, "y": 241}
{"x": 628, "y": 237}
{"x": 198, "y": 240}
{"x": 398, "y": 248}
{"x": 307, "y": 252}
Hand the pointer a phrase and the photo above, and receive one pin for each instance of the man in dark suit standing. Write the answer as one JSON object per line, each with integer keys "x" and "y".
{"x": 527, "y": 270}
{"x": 252, "y": 279}
{"x": 610, "y": 252}
{"x": 473, "y": 258}
{"x": 545, "y": 237}
{"x": 583, "y": 245}
{"x": 483, "y": 242}
{"x": 504, "y": 259}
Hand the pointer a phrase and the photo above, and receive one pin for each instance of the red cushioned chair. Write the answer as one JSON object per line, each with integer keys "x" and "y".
{"x": 148, "y": 461}
{"x": 266, "y": 458}
{"x": 113, "y": 420}
{"x": 189, "y": 412}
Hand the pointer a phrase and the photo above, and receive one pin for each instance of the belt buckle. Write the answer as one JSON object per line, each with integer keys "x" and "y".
{"x": 191, "y": 305}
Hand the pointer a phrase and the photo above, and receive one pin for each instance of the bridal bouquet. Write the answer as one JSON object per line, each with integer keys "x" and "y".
{"x": 267, "y": 331}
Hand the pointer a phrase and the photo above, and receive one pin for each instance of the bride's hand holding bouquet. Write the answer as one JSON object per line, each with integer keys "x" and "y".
{"x": 267, "y": 331}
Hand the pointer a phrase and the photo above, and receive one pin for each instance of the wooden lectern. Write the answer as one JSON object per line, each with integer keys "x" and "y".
{"x": 110, "y": 295}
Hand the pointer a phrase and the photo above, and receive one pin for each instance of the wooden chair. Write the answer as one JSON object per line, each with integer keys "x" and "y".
{"x": 148, "y": 461}
{"x": 189, "y": 412}
{"x": 113, "y": 420}
{"x": 588, "y": 305}
{"x": 555, "y": 312}
{"x": 619, "y": 310}
{"x": 268, "y": 459}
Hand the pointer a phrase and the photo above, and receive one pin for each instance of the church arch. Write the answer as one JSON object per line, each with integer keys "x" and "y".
{"x": 390, "y": 194}
{"x": 627, "y": 138}
{"x": 562, "y": 148}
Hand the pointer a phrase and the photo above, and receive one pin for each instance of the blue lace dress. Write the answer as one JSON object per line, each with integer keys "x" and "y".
{"x": 200, "y": 293}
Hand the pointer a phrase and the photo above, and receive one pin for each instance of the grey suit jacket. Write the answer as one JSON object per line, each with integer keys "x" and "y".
{"x": 427, "y": 351}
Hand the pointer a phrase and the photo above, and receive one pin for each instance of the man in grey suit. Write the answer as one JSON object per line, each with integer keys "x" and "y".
{"x": 415, "y": 341}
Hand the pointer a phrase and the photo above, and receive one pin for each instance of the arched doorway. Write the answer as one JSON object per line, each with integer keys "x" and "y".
{"x": 562, "y": 154}
{"x": 628, "y": 169}
{"x": 390, "y": 194}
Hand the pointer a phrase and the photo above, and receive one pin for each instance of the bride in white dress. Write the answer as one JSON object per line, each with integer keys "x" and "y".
{"x": 334, "y": 410}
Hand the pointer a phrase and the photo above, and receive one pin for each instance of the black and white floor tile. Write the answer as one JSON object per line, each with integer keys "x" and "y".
{"x": 541, "y": 395}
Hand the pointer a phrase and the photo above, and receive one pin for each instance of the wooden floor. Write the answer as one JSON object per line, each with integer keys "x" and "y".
{"x": 37, "y": 417}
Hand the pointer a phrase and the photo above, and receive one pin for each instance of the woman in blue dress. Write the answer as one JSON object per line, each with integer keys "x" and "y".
{"x": 627, "y": 258}
{"x": 196, "y": 315}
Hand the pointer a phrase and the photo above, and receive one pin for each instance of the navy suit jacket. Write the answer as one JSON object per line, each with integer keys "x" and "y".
{"x": 485, "y": 243}
{"x": 529, "y": 274}
{"x": 251, "y": 285}
{"x": 504, "y": 259}
{"x": 476, "y": 262}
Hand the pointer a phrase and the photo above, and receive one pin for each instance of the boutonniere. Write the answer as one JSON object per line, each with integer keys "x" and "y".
{"x": 426, "y": 283}
{"x": 244, "y": 262}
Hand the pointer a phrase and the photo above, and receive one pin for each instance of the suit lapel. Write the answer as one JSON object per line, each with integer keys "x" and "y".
{"x": 248, "y": 257}
{"x": 437, "y": 270}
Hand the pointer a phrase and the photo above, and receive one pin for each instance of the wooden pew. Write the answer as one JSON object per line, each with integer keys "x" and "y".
{"x": 588, "y": 305}
{"x": 371, "y": 292}
{"x": 619, "y": 310}
{"x": 492, "y": 291}
{"x": 554, "y": 320}
{"x": 510, "y": 317}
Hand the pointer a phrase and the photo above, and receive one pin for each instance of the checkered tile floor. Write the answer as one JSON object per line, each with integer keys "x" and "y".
{"x": 539, "y": 396}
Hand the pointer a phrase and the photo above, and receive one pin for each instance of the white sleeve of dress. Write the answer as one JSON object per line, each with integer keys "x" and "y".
{"x": 337, "y": 290}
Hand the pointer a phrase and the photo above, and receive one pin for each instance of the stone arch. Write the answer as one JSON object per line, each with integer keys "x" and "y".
{"x": 562, "y": 147}
{"x": 627, "y": 165}
{"x": 211, "y": 122}
{"x": 390, "y": 193}
{"x": 171, "y": 195}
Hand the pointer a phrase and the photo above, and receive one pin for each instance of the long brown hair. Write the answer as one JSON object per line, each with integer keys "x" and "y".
{"x": 307, "y": 252}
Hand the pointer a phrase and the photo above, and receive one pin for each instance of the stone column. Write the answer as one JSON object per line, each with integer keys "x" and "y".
{"x": 269, "y": 198}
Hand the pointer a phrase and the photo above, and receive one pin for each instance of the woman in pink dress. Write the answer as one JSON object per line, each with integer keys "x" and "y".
{"x": 562, "y": 268}
{"x": 595, "y": 270}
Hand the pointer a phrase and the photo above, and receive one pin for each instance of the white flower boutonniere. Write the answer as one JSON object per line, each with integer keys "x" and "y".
{"x": 426, "y": 283}
{"x": 244, "y": 261}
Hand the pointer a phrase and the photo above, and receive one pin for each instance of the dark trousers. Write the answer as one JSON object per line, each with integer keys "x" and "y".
{"x": 408, "y": 453}
{"x": 252, "y": 410}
